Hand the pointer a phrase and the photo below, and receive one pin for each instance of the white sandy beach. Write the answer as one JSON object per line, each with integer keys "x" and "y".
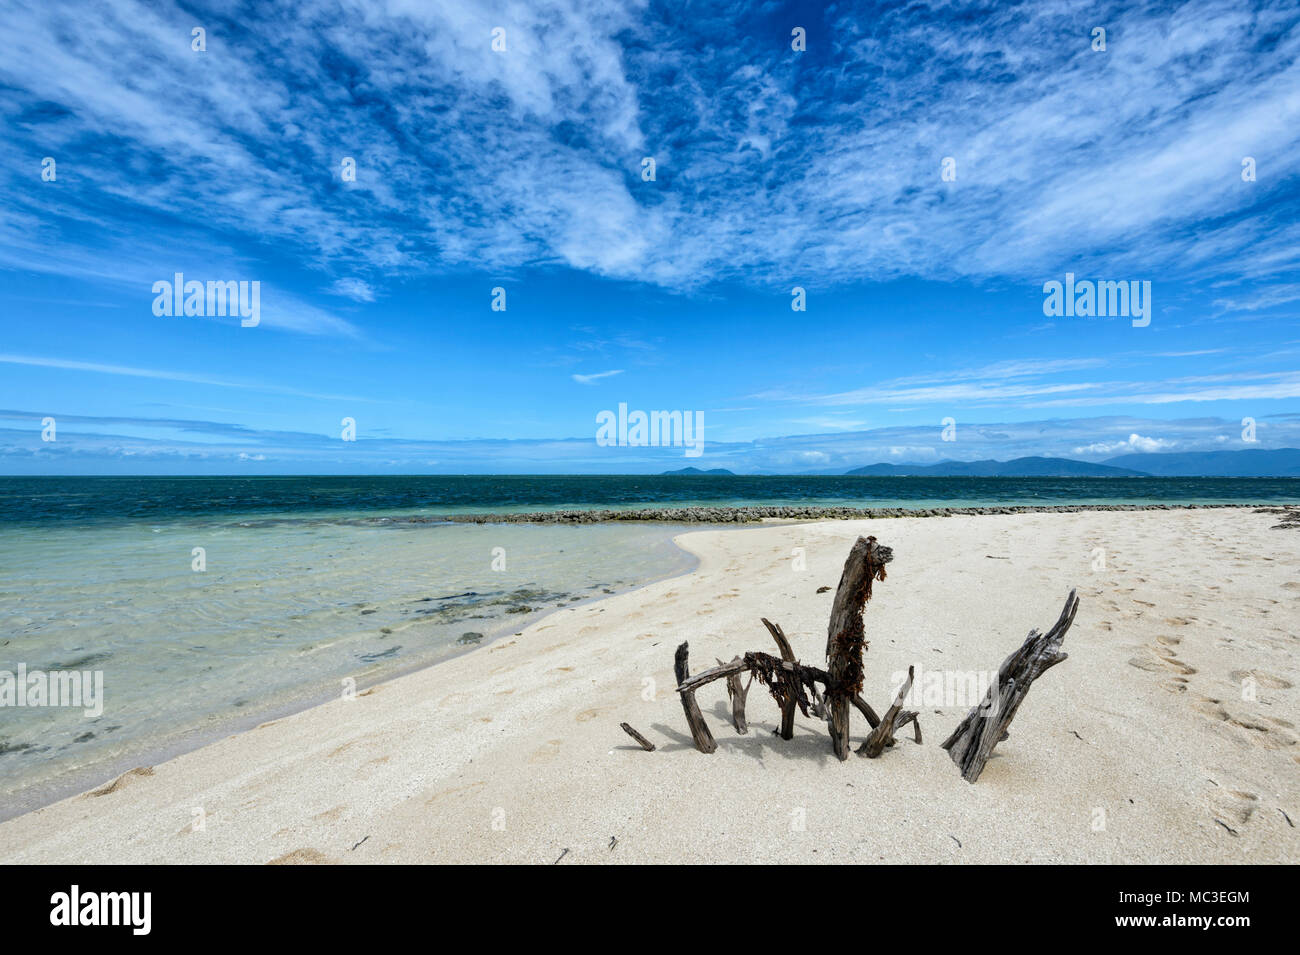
{"x": 1139, "y": 748}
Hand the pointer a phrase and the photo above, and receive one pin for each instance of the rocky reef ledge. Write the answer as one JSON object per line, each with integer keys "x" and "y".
{"x": 754, "y": 513}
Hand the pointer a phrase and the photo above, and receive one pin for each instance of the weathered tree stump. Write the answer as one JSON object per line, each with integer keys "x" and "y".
{"x": 845, "y": 640}
{"x": 694, "y": 718}
{"x": 971, "y": 743}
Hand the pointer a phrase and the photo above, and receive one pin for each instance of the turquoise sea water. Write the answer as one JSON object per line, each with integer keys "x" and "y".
{"x": 115, "y": 499}
{"x": 301, "y": 586}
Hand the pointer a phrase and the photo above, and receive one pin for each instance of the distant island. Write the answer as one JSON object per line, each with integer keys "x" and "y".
{"x": 723, "y": 471}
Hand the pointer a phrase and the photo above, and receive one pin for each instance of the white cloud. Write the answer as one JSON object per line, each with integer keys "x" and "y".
{"x": 354, "y": 289}
{"x": 591, "y": 379}
{"x": 1135, "y": 443}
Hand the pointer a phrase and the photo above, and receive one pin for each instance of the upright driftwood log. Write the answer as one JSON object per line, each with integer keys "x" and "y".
{"x": 845, "y": 640}
{"x": 694, "y": 718}
{"x": 787, "y": 678}
{"x": 737, "y": 692}
{"x": 971, "y": 743}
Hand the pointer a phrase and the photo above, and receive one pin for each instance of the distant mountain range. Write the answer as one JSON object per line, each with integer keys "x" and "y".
{"x": 1019, "y": 467}
{"x": 1284, "y": 462}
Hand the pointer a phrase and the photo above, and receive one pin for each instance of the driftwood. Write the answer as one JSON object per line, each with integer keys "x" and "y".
{"x": 828, "y": 694}
{"x": 646, "y": 745}
{"x": 795, "y": 685}
{"x": 971, "y": 743}
{"x": 845, "y": 640}
{"x": 737, "y": 694}
{"x": 895, "y": 718}
{"x": 787, "y": 656}
{"x": 694, "y": 718}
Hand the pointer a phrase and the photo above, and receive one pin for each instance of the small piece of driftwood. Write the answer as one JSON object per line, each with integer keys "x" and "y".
{"x": 694, "y": 718}
{"x": 882, "y": 734}
{"x": 646, "y": 745}
{"x": 971, "y": 743}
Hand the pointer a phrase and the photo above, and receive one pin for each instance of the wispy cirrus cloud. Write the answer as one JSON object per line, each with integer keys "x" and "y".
{"x": 1049, "y": 383}
{"x": 352, "y": 288}
{"x": 593, "y": 378}
{"x": 159, "y": 374}
{"x": 770, "y": 164}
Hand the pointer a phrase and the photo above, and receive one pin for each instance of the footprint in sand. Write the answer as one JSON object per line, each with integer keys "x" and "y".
{"x": 125, "y": 779}
{"x": 1240, "y": 723}
{"x": 586, "y": 715}
{"x": 1232, "y": 808}
{"x": 546, "y": 752}
{"x": 1157, "y": 659}
{"x": 1262, "y": 678}
{"x": 301, "y": 857}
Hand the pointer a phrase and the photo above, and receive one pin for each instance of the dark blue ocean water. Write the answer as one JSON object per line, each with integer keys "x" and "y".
{"x": 110, "y": 499}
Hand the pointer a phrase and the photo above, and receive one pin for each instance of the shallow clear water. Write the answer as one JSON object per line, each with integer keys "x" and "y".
{"x": 283, "y": 613}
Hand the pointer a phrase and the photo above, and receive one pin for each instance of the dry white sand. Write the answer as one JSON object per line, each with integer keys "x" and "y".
{"x": 1139, "y": 748}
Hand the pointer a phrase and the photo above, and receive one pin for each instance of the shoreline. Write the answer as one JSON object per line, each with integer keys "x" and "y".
{"x": 528, "y": 726}
{"x": 757, "y": 513}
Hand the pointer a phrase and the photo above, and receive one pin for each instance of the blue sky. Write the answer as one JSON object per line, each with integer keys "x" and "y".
{"x": 522, "y": 169}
